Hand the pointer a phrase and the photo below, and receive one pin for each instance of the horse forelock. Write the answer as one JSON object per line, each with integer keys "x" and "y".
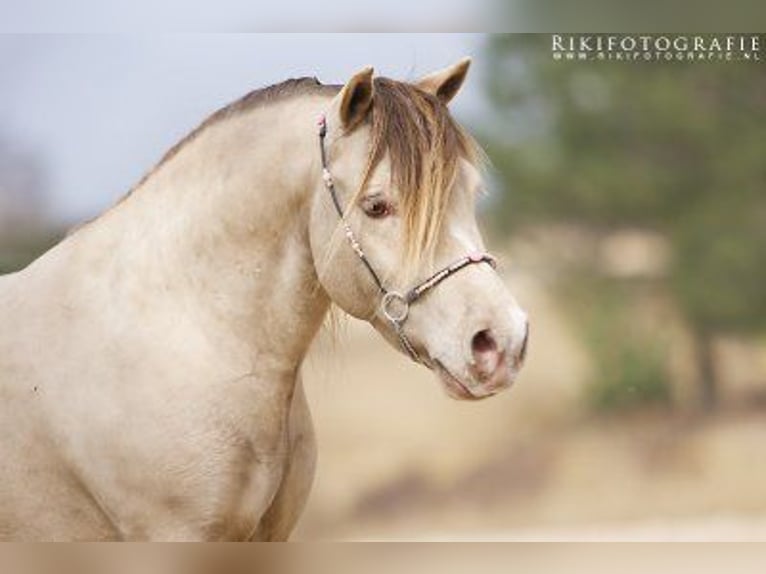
{"x": 424, "y": 145}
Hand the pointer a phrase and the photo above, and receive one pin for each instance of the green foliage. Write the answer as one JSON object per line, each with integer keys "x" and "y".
{"x": 630, "y": 367}
{"x": 720, "y": 274}
{"x": 678, "y": 147}
{"x": 629, "y": 361}
{"x": 18, "y": 251}
{"x": 631, "y": 375}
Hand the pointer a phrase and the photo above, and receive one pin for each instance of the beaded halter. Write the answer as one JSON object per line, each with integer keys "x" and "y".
{"x": 394, "y": 305}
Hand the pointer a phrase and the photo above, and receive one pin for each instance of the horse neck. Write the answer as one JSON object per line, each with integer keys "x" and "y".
{"x": 223, "y": 226}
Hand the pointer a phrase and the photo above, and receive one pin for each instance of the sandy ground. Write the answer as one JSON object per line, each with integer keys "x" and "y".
{"x": 400, "y": 460}
{"x": 693, "y": 529}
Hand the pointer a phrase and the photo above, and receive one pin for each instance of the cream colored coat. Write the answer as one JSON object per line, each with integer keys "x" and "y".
{"x": 149, "y": 363}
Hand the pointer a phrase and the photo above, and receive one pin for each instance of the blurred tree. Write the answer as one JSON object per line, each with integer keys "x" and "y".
{"x": 24, "y": 233}
{"x": 675, "y": 147}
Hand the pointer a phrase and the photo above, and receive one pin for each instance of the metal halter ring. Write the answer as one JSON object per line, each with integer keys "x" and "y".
{"x": 389, "y": 304}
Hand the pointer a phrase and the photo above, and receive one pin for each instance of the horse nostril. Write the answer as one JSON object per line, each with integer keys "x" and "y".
{"x": 483, "y": 342}
{"x": 486, "y": 354}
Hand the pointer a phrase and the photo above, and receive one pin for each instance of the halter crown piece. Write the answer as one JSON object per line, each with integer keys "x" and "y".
{"x": 394, "y": 305}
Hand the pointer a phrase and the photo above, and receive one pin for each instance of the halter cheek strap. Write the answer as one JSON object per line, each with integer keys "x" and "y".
{"x": 395, "y": 306}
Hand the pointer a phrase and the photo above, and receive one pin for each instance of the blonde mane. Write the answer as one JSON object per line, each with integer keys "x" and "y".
{"x": 424, "y": 146}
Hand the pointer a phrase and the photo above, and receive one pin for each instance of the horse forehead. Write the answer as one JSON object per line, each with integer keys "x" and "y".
{"x": 380, "y": 176}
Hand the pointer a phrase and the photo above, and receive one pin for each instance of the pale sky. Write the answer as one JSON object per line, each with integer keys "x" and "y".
{"x": 249, "y": 15}
{"x": 101, "y": 109}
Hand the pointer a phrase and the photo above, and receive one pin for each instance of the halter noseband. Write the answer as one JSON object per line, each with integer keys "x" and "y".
{"x": 394, "y": 305}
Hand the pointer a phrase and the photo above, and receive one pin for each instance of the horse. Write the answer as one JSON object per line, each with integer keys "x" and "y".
{"x": 150, "y": 362}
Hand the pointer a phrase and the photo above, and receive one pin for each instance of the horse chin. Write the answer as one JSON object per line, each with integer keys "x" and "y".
{"x": 455, "y": 388}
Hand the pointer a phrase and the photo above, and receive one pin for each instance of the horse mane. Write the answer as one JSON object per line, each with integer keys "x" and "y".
{"x": 409, "y": 126}
{"x": 294, "y": 87}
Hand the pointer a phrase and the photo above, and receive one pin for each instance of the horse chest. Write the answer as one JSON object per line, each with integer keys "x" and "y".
{"x": 225, "y": 502}
{"x": 236, "y": 496}
{"x": 220, "y": 471}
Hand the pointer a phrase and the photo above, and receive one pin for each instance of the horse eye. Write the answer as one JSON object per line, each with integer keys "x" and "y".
{"x": 378, "y": 209}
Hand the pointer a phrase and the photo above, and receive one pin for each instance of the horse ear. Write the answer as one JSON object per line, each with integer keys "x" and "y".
{"x": 356, "y": 98}
{"x": 446, "y": 83}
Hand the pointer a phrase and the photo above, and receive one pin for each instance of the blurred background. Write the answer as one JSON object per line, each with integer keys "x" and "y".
{"x": 627, "y": 204}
